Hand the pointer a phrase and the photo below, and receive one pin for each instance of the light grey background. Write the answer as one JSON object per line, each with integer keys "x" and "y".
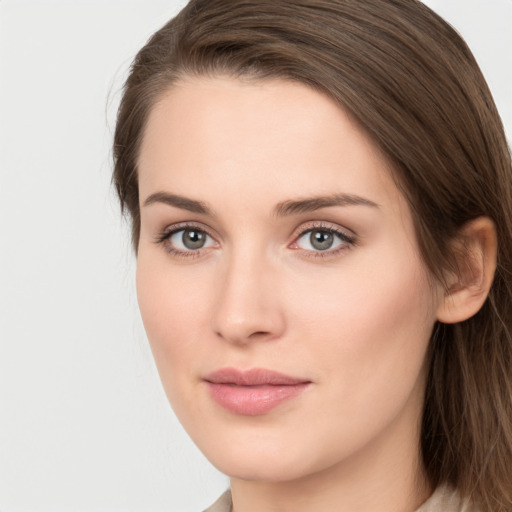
{"x": 84, "y": 424}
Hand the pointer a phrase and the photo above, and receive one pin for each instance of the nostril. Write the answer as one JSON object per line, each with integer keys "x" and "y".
{"x": 259, "y": 334}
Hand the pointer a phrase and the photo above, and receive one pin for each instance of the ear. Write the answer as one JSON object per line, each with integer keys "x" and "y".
{"x": 475, "y": 252}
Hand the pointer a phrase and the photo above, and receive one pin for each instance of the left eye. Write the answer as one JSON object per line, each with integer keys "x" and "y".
{"x": 321, "y": 240}
{"x": 190, "y": 239}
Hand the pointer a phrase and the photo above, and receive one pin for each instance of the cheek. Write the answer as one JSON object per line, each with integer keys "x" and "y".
{"x": 381, "y": 295}
{"x": 369, "y": 327}
{"x": 172, "y": 309}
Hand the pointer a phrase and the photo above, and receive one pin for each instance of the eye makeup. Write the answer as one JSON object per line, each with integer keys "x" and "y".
{"x": 318, "y": 239}
{"x": 315, "y": 239}
{"x": 192, "y": 243}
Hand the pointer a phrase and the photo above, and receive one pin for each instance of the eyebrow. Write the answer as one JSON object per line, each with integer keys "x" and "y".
{"x": 312, "y": 204}
{"x": 285, "y": 208}
{"x": 181, "y": 202}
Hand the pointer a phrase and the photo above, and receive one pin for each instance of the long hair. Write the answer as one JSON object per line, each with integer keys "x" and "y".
{"x": 412, "y": 82}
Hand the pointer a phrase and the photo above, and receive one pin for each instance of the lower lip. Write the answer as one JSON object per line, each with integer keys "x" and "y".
{"x": 253, "y": 400}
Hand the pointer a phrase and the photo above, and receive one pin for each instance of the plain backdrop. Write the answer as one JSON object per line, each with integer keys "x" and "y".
{"x": 84, "y": 423}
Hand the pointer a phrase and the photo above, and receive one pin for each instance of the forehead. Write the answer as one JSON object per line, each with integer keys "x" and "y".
{"x": 270, "y": 138}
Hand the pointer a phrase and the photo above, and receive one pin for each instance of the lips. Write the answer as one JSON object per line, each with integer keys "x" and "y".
{"x": 253, "y": 392}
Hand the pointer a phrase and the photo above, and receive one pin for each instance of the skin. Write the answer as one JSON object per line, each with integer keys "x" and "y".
{"x": 354, "y": 320}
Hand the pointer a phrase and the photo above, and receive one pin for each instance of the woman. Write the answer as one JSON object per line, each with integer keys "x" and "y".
{"x": 321, "y": 202}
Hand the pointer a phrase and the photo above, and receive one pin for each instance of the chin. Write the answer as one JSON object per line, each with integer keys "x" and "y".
{"x": 262, "y": 469}
{"x": 260, "y": 460}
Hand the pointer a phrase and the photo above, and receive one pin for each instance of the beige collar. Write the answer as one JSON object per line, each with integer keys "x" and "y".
{"x": 444, "y": 499}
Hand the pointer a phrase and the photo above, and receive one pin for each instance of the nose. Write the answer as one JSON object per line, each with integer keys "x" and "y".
{"x": 248, "y": 307}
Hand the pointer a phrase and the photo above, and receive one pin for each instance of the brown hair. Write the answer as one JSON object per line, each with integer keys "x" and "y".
{"x": 414, "y": 85}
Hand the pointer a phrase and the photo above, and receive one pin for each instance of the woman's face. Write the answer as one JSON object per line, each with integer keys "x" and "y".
{"x": 279, "y": 280}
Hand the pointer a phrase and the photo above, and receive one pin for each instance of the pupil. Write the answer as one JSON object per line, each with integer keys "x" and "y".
{"x": 321, "y": 240}
{"x": 193, "y": 239}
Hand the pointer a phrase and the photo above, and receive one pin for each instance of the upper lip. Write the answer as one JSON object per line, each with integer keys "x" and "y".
{"x": 253, "y": 377}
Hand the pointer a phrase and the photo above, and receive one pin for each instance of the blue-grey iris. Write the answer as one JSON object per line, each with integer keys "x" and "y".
{"x": 321, "y": 240}
{"x": 193, "y": 239}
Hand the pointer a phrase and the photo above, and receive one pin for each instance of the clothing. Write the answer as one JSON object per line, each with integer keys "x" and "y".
{"x": 444, "y": 499}
{"x": 223, "y": 504}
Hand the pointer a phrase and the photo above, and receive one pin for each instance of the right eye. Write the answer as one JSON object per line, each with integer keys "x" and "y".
{"x": 186, "y": 241}
{"x": 190, "y": 239}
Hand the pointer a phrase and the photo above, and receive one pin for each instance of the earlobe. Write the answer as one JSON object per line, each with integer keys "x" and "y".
{"x": 475, "y": 252}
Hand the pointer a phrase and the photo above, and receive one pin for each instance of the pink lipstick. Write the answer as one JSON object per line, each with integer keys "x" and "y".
{"x": 252, "y": 392}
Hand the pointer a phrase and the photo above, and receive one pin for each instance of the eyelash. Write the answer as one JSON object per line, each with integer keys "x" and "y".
{"x": 164, "y": 237}
{"x": 347, "y": 240}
